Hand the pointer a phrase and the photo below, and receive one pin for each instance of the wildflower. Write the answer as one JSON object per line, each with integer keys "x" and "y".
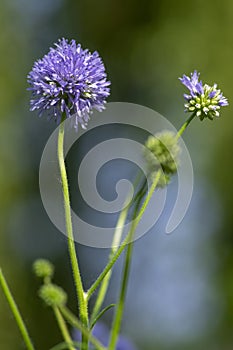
{"x": 203, "y": 100}
{"x": 53, "y": 295}
{"x": 101, "y": 332}
{"x": 162, "y": 152}
{"x": 68, "y": 80}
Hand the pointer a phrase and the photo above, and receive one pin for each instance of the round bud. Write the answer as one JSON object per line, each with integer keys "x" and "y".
{"x": 43, "y": 268}
{"x": 53, "y": 295}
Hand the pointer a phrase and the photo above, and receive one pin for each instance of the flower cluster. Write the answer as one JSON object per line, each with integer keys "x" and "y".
{"x": 203, "y": 100}
{"x": 69, "y": 80}
{"x": 162, "y": 152}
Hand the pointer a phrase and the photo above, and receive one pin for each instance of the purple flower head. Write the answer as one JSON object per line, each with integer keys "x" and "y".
{"x": 101, "y": 332}
{"x": 203, "y": 100}
{"x": 69, "y": 80}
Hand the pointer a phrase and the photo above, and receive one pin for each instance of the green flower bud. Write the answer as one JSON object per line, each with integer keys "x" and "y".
{"x": 53, "y": 295}
{"x": 162, "y": 152}
{"x": 43, "y": 268}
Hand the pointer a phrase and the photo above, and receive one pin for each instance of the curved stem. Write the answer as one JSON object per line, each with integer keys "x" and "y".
{"x": 63, "y": 328}
{"x": 121, "y": 303}
{"x": 15, "y": 311}
{"x": 184, "y": 126}
{"x": 100, "y": 314}
{"x": 115, "y": 244}
{"x": 115, "y": 257}
{"x": 83, "y": 305}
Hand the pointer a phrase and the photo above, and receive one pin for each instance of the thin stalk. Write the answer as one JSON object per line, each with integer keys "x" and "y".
{"x": 121, "y": 303}
{"x": 63, "y": 328}
{"x": 115, "y": 244}
{"x": 16, "y": 313}
{"x": 115, "y": 257}
{"x": 184, "y": 126}
{"x": 83, "y": 305}
{"x": 72, "y": 319}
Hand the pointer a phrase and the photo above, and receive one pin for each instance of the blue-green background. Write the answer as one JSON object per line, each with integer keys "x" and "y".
{"x": 181, "y": 290}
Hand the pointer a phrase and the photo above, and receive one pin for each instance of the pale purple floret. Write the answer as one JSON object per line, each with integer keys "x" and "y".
{"x": 212, "y": 94}
{"x": 69, "y": 80}
{"x": 101, "y": 332}
{"x": 193, "y": 84}
{"x": 223, "y": 101}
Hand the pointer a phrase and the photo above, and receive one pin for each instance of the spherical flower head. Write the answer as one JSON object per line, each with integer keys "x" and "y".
{"x": 53, "y": 295}
{"x": 69, "y": 80}
{"x": 43, "y": 268}
{"x": 203, "y": 100}
{"x": 162, "y": 152}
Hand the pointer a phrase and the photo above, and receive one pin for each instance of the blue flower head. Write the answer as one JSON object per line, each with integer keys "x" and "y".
{"x": 69, "y": 80}
{"x": 203, "y": 100}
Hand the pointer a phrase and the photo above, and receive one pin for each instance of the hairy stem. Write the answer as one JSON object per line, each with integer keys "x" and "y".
{"x": 82, "y": 300}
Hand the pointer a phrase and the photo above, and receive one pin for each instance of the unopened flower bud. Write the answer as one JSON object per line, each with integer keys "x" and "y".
{"x": 162, "y": 152}
{"x": 53, "y": 295}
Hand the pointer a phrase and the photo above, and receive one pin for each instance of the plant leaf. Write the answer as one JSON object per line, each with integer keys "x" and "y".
{"x": 101, "y": 314}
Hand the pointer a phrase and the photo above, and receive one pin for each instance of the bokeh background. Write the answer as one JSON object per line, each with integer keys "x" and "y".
{"x": 181, "y": 288}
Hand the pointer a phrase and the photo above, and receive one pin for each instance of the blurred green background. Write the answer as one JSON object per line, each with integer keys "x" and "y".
{"x": 181, "y": 289}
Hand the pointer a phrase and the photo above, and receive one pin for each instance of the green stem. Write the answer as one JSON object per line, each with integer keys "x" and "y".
{"x": 184, "y": 126}
{"x": 70, "y": 317}
{"x": 82, "y": 300}
{"x": 15, "y": 311}
{"x": 121, "y": 303}
{"x": 63, "y": 328}
{"x": 115, "y": 257}
{"x": 115, "y": 244}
